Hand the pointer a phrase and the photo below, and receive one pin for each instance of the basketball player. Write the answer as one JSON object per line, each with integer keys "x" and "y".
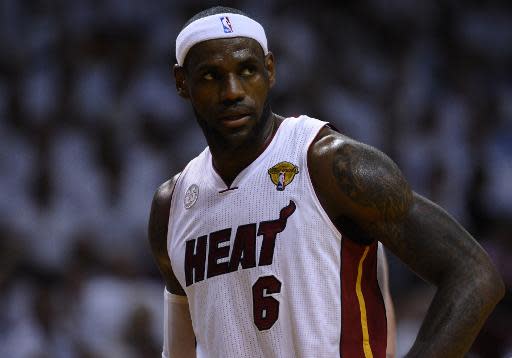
{"x": 267, "y": 240}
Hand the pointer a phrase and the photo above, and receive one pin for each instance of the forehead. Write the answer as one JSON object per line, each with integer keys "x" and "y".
{"x": 221, "y": 51}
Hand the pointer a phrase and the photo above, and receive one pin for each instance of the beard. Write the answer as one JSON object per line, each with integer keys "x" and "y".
{"x": 236, "y": 140}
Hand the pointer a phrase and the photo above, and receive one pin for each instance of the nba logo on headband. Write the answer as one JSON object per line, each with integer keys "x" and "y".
{"x": 226, "y": 24}
{"x": 207, "y": 28}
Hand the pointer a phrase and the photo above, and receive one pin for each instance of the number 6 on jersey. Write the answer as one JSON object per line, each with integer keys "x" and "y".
{"x": 265, "y": 308}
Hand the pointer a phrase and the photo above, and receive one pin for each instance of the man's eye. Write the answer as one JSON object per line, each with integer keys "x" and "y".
{"x": 247, "y": 71}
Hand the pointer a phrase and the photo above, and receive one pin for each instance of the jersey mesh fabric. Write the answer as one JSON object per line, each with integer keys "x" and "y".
{"x": 306, "y": 258}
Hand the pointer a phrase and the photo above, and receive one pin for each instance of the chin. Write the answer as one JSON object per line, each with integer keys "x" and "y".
{"x": 234, "y": 138}
{"x": 238, "y": 139}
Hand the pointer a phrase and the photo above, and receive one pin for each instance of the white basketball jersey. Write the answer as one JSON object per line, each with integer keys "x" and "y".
{"x": 266, "y": 272}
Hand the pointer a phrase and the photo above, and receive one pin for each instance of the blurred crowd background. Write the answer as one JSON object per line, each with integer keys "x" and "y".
{"x": 90, "y": 124}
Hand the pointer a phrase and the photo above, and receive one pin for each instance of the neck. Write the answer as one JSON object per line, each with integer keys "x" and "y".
{"x": 230, "y": 162}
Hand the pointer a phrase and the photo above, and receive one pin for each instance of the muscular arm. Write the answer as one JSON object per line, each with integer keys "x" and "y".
{"x": 157, "y": 234}
{"x": 179, "y": 340}
{"x": 364, "y": 192}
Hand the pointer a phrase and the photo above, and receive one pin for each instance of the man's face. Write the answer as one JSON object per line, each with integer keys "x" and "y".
{"x": 227, "y": 82}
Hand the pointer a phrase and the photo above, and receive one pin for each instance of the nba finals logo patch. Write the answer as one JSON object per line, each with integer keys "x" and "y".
{"x": 226, "y": 24}
{"x": 282, "y": 174}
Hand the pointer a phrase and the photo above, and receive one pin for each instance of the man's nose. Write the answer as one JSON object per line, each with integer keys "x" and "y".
{"x": 233, "y": 90}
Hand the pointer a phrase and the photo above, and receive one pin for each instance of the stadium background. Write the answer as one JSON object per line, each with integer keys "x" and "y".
{"x": 90, "y": 125}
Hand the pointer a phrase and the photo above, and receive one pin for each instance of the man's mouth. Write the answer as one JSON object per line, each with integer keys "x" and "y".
{"x": 235, "y": 120}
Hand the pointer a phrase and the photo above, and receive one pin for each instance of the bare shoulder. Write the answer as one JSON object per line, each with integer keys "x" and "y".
{"x": 356, "y": 183}
{"x": 157, "y": 233}
{"x": 161, "y": 205}
{"x": 164, "y": 192}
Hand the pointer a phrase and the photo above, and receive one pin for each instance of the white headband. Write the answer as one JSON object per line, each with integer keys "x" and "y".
{"x": 218, "y": 26}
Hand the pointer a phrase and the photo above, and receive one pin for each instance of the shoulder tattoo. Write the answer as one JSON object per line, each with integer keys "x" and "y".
{"x": 371, "y": 181}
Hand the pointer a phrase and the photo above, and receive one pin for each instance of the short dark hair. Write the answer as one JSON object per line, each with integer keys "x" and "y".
{"x": 214, "y": 11}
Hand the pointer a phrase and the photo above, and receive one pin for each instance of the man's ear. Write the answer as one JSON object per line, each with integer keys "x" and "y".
{"x": 181, "y": 81}
{"x": 271, "y": 69}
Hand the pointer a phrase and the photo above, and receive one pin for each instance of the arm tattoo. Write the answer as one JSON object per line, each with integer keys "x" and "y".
{"x": 374, "y": 201}
{"x": 375, "y": 184}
